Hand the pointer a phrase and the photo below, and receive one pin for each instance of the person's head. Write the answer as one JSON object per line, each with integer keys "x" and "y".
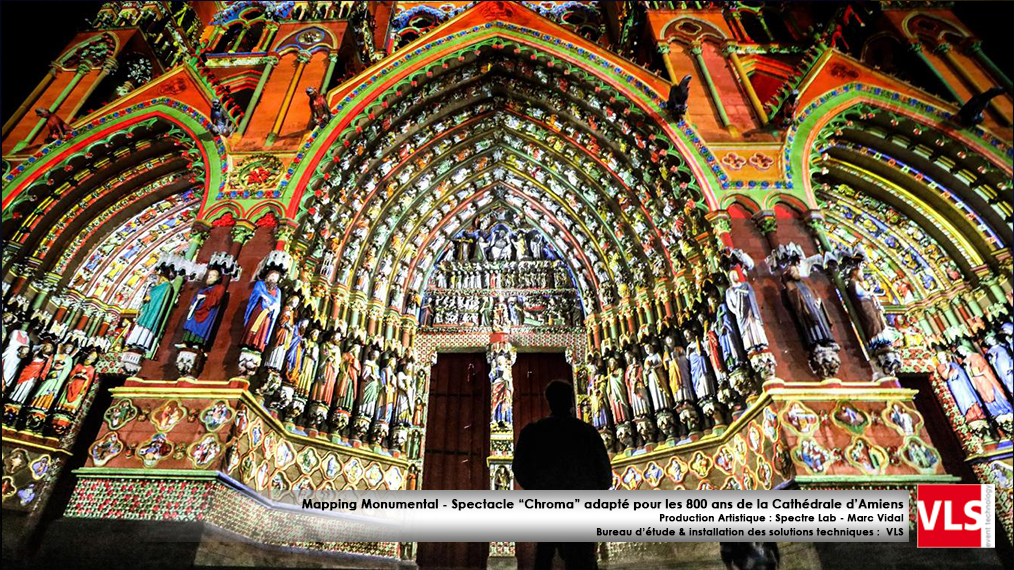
{"x": 560, "y": 395}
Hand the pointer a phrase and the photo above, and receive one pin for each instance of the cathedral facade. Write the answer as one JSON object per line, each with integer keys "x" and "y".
{"x": 343, "y": 245}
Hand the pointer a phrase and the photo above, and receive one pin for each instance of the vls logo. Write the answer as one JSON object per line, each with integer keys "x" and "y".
{"x": 956, "y": 516}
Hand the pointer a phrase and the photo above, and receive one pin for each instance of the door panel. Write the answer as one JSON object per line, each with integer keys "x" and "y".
{"x": 531, "y": 372}
{"x": 457, "y": 444}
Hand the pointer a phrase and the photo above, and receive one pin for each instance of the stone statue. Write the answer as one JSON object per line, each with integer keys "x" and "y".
{"x": 388, "y": 387}
{"x": 679, "y": 94}
{"x": 597, "y": 396}
{"x": 203, "y": 313}
{"x": 320, "y": 113}
{"x": 619, "y": 402}
{"x": 294, "y": 353}
{"x": 742, "y": 302}
{"x": 151, "y": 319}
{"x": 57, "y": 129}
{"x": 327, "y": 374}
{"x": 733, "y": 353}
{"x": 808, "y": 309}
{"x": 991, "y": 394}
{"x": 283, "y": 336}
{"x": 369, "y": 393}
{"x": 813, "y": 321}
{"x": 963, "y": 392}
{"x": 879, "y": 335}
{"x": 261, "y": 311}
{"x": 501, "y": 391}
{"x": 345, "y": 390}
{"x": 59, "y": 370}
{"x": 18, "y": 349}
{"x": 221, "y": 123}
{"x": 656, "y": 379}
{"x": 520, "y": 247}
{"x": 32, "y": 373}
{"x": 633, "y": 377}
{"x": 309, "y": 362}
{"x": 405, "y": 396}
{"x": 699, "y": 376}
{"x": 999, "y": 357}
{"x": 73, "y": 394}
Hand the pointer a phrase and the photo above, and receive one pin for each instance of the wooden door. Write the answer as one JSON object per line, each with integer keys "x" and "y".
{"x": 457, "y": 445}
{"x": 532, "y": 371}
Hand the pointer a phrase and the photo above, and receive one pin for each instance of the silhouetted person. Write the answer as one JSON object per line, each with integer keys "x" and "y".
{"x": 751, "y": 555}
{"x": 562, "y": 452}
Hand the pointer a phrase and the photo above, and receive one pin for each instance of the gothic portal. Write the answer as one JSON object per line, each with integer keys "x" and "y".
{"x": 343, "y": 245}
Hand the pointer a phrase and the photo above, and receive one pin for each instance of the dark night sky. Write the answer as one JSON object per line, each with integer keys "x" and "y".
{"x": 34, "y": 33}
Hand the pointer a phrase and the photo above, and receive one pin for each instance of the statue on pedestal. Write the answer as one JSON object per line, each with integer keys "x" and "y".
{"x": 369, "y": 392}
{"x": 283, "y": 334}
{"x": 30, "y": 376}
{"x": 73, "y": 394}
{"x": 17, "y": 351}
{"x": 656, "y": 378}
{"x": 158, "y": 303}
{"x": 879, "y": 335}
{"x": 991, "y": 394}
{"x": 808, "y": 309}
{"x": 59, "y": 370}
{"x": 963, "y": 391}
{"x": 308, "y": 364}
{"x": 203, "y": 313}
{"x": 345, "y": 390}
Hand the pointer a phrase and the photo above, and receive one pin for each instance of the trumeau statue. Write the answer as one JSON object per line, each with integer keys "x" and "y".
{"x": 619, "y": 401}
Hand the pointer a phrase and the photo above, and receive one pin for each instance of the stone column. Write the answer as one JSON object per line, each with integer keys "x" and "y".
{"x": 976, "y": 50}
{"x": 31, "y": 99}
{"x": 768, "y": 226}
{"x": 915, "y": 47}
{"x": 108, "y": 68}
{"x": 301, "y": 60}
{"x": 697, "y": 51}
{"x": 332, "y": 61}
{"x": 945, "y": 50}
{"x": 501, "y": 356}
{"x": 82, "y": 70}
{"x": 744, "y": 80}
{"x": 270, "y": 63}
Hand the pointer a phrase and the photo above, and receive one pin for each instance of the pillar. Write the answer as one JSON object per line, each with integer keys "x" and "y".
{"x": 82, "y": 70}
{"x": 198, "y": 235}
{"x": 976, "y": 50}
{"x": 945, "y": 50}
{"x": 332, "y": 61}
{"x": 301, "y": 60}
{"x": 697, "y": 51}
{"x": 108, "y": 67}
{"x": 744, "y": 80}
{"x": 31, "y": 99}
{"x": 915, "y": 47}
{"x": 270, "y": 63}
{"x": 768, "y": 225}
{"x": 501, "y": 444}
